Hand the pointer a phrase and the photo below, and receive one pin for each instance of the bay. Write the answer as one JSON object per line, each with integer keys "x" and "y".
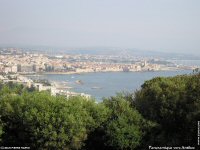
{"x": 100, "y": 85}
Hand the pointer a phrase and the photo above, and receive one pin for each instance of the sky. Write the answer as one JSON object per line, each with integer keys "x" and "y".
{"x": 160, "y": 25}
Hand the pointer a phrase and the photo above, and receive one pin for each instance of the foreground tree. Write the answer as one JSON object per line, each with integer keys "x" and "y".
{"x": 41, "y": 121}
{"x": 173, "y": 103}
{"x": 122, "y": 130}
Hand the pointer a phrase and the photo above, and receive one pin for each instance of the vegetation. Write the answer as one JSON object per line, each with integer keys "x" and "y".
{"x": 172, "y": 103}
{"x": 41, "y": 121}
{"x": 164, "y": 112}
{"x": 123, "y": 128}
{"x": 42, "y": 81}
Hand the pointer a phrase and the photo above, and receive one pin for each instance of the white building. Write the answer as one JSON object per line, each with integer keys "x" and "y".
{"x": 14, "y": 68}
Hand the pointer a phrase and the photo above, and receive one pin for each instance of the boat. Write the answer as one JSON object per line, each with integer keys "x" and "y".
{"x": 96, "y": 87}
{"x": 79, "y": 82}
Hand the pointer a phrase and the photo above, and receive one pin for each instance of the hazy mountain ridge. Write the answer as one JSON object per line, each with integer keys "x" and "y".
{"x": 106, "y": 51}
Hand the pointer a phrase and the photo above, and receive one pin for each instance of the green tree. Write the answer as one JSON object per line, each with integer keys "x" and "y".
{"x": 173, "y": 103}
{"x": 41, "y": 121}
{"x": 1, "y": 130}
{"x": 123, "y": 129}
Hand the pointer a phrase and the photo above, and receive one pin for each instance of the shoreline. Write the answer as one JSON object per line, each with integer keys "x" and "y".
{"x": 71, "y": 73}
{"x": 63, "y": 85}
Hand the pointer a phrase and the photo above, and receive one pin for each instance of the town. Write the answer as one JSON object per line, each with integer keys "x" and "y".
{"x": 16, "y": 64}
{"x": 13, "y": 60}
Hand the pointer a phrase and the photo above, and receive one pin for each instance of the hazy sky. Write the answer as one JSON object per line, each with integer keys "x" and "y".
{"x": 161, "y": 25}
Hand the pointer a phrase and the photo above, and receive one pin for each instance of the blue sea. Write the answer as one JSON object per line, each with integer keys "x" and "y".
{"x": 187, "y": 62}
{"x": 100, "y": 85}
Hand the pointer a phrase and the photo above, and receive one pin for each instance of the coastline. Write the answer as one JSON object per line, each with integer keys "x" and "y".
{"x": 94, "y": 86}
{"x": 71, "y": 73}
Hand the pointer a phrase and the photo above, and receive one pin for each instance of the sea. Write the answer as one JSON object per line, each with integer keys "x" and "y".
{"x": 187, "y": 62}
{"x": 100, "y": 85}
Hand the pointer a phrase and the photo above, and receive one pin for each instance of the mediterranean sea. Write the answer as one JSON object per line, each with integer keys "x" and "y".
{"x": 187, "y": 62}
{"x": 107, "y": 84}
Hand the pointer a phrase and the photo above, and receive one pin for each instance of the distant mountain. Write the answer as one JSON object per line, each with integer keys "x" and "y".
{"x": 131, "y": 52}
{"x": 106, "y": 51}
